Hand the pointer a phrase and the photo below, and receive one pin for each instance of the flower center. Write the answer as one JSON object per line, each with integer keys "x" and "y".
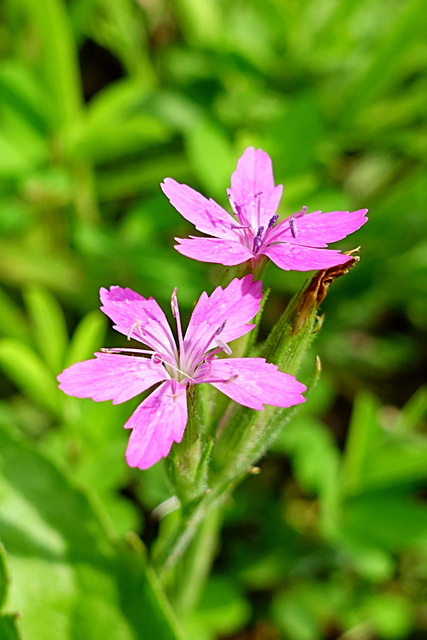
{"x": 181, "y": 363}
{"x": 251, "y": 236}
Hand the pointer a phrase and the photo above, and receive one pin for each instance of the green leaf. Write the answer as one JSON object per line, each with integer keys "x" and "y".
{"x": 87, "y": 338}
{"x": 4, "y": 577}
{"x": 29, "y": 373}
{"x": 211, "y": 156}
{"x": 413, "y": 412}
{"x": 49, "y": 326}
{"x": 405, "y": 27}
{"x": 315, "y": 460}
{"x": 200, "y": 20}
{"x": 12, "y": 320}
{"x": 390, "y": 519}
{"x": 294, "y": 617}
{"x": 135, "y": 177}
{"x": 13, "y": 161}
{"x": 58, "y": 56}
{"x": 391, "y": 615}
{"x": 22, "y": 90}
{"x": 8, "y": 627}
{"x": 362, "y": 433}
{"x": 222, "y": 609}
{"x": 376, "y": 457}
{"x": 84, "y": 583}
{"x": 134, "y": 129}
{"x": 300, "y": 121}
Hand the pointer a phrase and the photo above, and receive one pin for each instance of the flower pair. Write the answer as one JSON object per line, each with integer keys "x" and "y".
{"x": 174, "y": 364}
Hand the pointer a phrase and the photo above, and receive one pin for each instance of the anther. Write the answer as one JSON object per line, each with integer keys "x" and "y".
{"x": 174, "y": 396}
{"x": 174, "y": 303}
{"x": 138, "y": 326}
{"x": 292, "y": 224}
{"x": 223, "y": 346}
{"x": 273, "y": 221}
{"x": 257, "y": 242}
{"x": 221, "y": 328}
{"x": 237, "y": 209}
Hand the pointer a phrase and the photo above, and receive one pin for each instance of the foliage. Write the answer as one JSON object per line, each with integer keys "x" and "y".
{"x": 100, "y": 101}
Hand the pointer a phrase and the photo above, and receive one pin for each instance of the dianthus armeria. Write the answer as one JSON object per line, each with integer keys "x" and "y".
{"x": 253, "y": 230}
{"x": 119, "y": 374}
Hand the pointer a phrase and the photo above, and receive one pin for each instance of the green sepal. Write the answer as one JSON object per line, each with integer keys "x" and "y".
{"x": 188, "y": 461}
{"x": 295, "y": 330}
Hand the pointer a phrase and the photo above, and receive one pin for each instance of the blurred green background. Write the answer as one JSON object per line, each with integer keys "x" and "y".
{"x": 99, "y": 101}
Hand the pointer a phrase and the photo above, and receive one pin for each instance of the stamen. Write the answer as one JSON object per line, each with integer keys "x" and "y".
{"x": 174, "y": 303}
{"x": 292, "y": 224}
{"x": 208, "y": 362}
{"x": 273, "y": 221}
{"x": 221, "y": 328}
{"x": 144, "y": 334}
{"x": 228, "y": 381}
{"x": 236, "y": 209}
{"x": 120, "y": 350}
{"x": 258, "y": 206}
{"x": 224, "y": 346}
{"x": 177, "y": 316}
{"x": 257, "y": 242}
{"x": 157, "y": 359}
{"x": 174, "y": 396}
{"x": 195, "y": 355}
{"x": 138, "y": 326}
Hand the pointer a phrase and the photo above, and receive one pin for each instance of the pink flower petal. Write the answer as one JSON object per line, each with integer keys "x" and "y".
{"x": 318, "y": 229}
{"x": 235, "y": 305}
{"x": 206, "y": 215}
{"x": 136, "y": 317}
{"x": 253, "y": 382}
{"x": 252, "y": 177}
{"x": 299, "y": 258}
{"x": 156, "y": 424}
{"x": 111, "y": 377}
{"x": 226, "y": 252}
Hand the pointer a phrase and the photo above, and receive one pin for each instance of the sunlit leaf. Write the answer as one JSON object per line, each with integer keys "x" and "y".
{"x": 49, "y": 326}
{"x": 29, "y": 373}
{"x": 84, "y": 584}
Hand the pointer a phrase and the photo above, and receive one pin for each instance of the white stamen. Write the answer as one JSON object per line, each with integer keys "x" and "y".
{"x": 138, "y": 326}
{"x": 125, "y": 350}
{"x": 223, "y": 346}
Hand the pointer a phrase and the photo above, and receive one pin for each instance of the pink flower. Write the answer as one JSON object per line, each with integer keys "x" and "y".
{"x": 121, "y": 374}
{"x": 253, "y": 231}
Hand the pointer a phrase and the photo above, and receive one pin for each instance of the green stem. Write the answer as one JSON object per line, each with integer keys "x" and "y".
{"x": 192, "y": 571}
{"x": 170, "y": 550}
